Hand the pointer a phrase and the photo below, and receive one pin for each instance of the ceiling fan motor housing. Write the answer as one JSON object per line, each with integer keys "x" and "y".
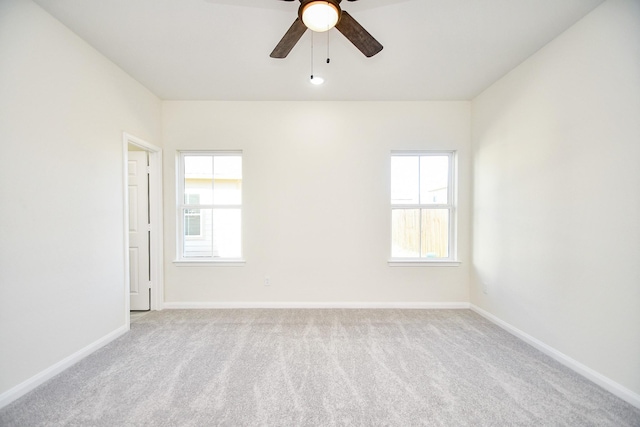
{"x": 304, "y": 4}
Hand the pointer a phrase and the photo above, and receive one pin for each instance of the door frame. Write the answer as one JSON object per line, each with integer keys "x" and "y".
{"x": 155, "y": 213}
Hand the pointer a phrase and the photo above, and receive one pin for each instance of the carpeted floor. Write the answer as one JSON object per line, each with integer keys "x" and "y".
{"x": 318, "y": 368}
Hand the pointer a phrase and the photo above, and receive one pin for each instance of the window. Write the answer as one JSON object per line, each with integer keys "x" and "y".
{"x": 422, "y": 206}
{"x": 209, "y": 206}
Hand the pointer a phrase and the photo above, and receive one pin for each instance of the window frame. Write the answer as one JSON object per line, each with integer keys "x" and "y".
{"x": 450, "y": 206}
{"x": 180, "y": 259}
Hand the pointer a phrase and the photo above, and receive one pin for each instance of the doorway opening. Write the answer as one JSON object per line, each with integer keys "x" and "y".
{"x": 143, "y": 226}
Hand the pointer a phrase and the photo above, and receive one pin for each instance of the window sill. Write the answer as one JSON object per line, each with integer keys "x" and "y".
{"x": 209, "y": 263}
{"x": 399, "y": 262}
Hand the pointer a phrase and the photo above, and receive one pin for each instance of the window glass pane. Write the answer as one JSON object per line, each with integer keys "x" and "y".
{"x": 197, "y": 244}
{"x": 192, "y": 222}
{"x": 227, "y": 180}
{"x": 192, "y": 199}
{"x": 434, "y": 179}
{"x": 227, "y": 233}
{"x": 435, "y": 233}
{"x": 405, "y": 233}
{"x": 404, "y": 179}
{"x": 198, "y": 177}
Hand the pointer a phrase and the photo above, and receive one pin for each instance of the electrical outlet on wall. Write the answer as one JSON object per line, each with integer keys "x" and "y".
{"x": 267, "y": 282}
{"x": 485, "y": 288}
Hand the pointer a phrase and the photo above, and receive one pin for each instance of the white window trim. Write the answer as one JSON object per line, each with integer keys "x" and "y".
{"x": 452, "y": 196}
{"x": 223, "y": 262}
{"x": 180, "y": 260}
{"x": 416, "y": 262}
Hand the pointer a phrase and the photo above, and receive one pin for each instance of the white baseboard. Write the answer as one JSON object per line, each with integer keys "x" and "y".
{"x": 26, "y": 386}
{"x": 388, "y": 305}
{"x": 594, "y": 376}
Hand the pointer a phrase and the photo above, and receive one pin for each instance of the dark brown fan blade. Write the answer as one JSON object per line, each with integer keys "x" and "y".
{"x": 289, "y": 40}
{"x": 357, "y": 35}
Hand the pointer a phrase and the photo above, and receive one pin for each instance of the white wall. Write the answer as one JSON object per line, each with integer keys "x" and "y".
{"x": 556, "y": 147}
{"x": 63, "y": 108}
{"x": 316, "y": 199}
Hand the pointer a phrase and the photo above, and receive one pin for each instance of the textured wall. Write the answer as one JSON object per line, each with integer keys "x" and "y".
{"x": 556, "y": 238}
{"x": 63, "y": 108}
{"x": 316, "y": 199}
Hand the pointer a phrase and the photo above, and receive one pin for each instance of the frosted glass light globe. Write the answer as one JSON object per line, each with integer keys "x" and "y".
{"x": 320, "y": 16}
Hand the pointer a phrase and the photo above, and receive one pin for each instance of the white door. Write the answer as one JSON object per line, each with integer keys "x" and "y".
{"x": 139, "y": 231}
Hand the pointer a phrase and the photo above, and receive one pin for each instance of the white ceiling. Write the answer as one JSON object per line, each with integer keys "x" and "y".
{"x": 219, "y": 49}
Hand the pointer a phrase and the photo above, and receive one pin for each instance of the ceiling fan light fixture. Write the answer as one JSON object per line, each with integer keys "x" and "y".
{"x": 320, "y": 16}
{"x": 316, "y": 80}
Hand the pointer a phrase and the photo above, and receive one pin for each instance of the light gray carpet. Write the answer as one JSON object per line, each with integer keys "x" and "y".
{"x": 318, "y": 368}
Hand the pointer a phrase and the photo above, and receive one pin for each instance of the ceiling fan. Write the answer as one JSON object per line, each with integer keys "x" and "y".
{"x": 331, "y": 15}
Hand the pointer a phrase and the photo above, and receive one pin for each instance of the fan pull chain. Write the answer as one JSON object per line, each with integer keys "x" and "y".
{"x": 312, "y": 55}
{"x": 328, "y": 58}
{"x": 316, "y": 80}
